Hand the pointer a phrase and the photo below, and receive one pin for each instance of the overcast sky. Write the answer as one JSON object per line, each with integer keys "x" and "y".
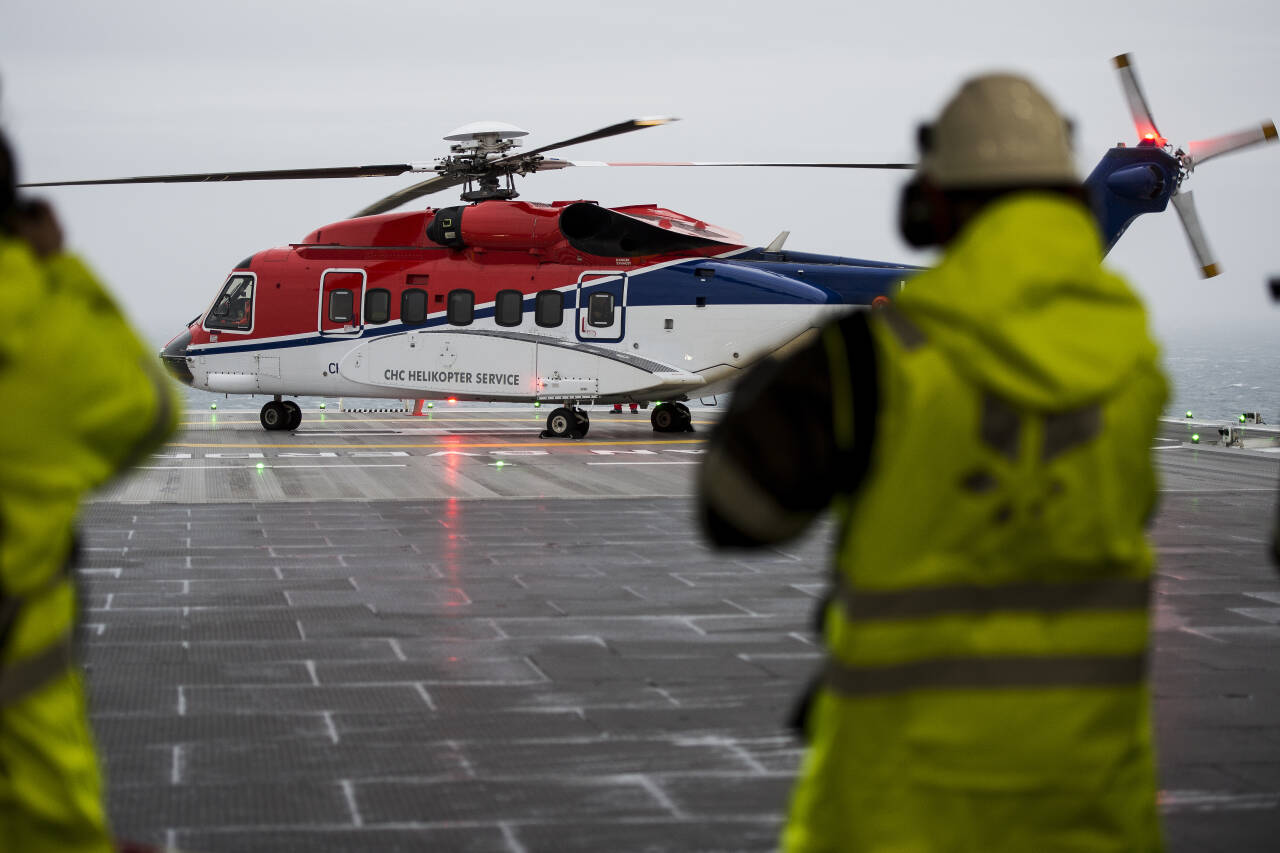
{"x": 93, "y": 90}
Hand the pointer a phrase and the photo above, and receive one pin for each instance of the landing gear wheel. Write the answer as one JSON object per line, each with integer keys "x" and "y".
{"x": 274, "y": 416}
{"x": 581, "y": 423}
{"x": 560, "y": 423}
{"x": 684, "y": 418}
{"x": 567, "y": 422}
{"x": 663, "y": 418}
{"x": 295, "y": 415}
{"x": 671, "y": 417}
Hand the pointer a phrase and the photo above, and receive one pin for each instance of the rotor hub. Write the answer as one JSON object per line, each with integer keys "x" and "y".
{"x": 479, "y": 156}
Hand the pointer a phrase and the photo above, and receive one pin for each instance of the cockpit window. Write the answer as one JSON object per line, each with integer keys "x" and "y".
{"x": 233, "y": 309}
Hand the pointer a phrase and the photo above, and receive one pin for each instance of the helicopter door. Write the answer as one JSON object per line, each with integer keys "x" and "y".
{"x": 601, "y": 312}
{"x": 341, "y": 298}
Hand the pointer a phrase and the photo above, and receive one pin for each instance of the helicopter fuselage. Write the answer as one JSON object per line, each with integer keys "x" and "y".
{"x": 503, "y": 306}
{"x": 570, "y": 302}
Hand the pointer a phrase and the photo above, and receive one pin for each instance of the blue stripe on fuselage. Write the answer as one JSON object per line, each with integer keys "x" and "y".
{"x": 742, "y": 280}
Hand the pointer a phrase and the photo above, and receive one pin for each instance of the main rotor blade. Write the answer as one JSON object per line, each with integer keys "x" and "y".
{"x": 559, "y": 164}
{"x": 1185, "y": 205}
{"x": 263, "y": 175}
{"x": 418, "y": 190}
{"x": 1203, "y": 149}
{"x": 1138, "y": 108}
{"x": 611, "y": 130}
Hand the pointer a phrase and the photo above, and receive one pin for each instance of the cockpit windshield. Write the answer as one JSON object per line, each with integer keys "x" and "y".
{"x": 233, "y": 309}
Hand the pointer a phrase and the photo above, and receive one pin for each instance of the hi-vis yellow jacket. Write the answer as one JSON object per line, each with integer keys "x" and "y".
{"x": 986, "y": 444}
{"x": 83, "y": 399}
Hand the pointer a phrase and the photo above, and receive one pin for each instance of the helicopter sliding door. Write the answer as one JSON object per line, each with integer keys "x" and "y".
{"x": 601, "y": 311}
{"x": 341, "y": 298}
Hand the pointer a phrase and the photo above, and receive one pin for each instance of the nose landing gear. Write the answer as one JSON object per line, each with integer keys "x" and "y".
{"x": 281, "y": 414}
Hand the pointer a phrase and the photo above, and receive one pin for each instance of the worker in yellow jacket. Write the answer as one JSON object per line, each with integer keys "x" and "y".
{"x": 83, "y": 399}
{"x": 985, "y": 443}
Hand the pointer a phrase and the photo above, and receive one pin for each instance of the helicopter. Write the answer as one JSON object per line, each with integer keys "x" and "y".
{"x": 571, "y": 302}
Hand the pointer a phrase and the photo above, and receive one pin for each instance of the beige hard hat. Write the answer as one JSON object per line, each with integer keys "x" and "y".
{"x": 999, "y": 130}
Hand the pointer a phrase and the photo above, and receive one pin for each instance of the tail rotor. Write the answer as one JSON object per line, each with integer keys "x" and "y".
{"x": 1197, "y": 152}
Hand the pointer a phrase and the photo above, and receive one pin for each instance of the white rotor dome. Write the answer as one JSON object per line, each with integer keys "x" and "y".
{"x": 477, "y": 129}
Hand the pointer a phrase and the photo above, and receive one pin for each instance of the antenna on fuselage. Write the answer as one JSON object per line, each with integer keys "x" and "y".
{"x": 776, "y": 246}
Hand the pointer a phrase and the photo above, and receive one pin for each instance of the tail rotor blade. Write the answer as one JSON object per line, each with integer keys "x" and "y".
{"x": 1185, "y": 205}
{"x": 1142, "y": 120}
{"x": 1203, "y": 149}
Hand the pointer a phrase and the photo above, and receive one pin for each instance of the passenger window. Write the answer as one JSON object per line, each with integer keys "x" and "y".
{"x": 233, "y": 309}
{"x": 548, "y": 308}
{"x": 342, "y": 305}
{"x": 377, "y": 306}
{"x": 600, "y": 309}
{"x": 462, "y": 305}
{"x": 508, "y": 308}
{"x": 413, "y": 306}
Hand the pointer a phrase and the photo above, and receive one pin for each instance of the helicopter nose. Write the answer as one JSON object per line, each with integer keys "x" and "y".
{"x": 174, "y": 356}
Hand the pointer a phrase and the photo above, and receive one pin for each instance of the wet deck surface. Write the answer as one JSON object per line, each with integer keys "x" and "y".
{"x": 447, "y": 653}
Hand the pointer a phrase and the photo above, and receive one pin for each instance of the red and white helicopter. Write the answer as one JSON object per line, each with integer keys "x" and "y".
{"x": 568, "y": 302}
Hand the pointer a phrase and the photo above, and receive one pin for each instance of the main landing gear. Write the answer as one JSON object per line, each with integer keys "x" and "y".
{"x": 671, "y": 417}
{"x": 281, "y": 414}
{"x": 568, "y": 421}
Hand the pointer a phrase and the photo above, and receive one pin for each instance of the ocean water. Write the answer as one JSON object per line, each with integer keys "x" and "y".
{"x": 1220, "y": 379}
{"x": 1214, "y": 379}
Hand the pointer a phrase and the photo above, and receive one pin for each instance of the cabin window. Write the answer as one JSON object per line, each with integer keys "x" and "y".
{"x": 600, "y": 309}
{"x": 548, "y": 308}
{"x": 508, "y": 308}
{"x": 413, "y": 306}
{"x": 377, "y": 306}
{"x": 462, "y": 307}
{"x": 233, "y": 309}
{"x": 342, "y": 304}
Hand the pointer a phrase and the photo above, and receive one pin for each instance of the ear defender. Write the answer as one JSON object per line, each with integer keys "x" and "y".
{"x": 923, "y": 219}
{"x": 8, "y": 180}
{"x": 924, "y": 138}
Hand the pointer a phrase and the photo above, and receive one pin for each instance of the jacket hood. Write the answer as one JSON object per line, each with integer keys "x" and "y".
{"x": 1022, "y": 305}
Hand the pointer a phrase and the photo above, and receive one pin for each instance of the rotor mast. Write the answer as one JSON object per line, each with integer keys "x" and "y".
{"x": 479, "y": 157}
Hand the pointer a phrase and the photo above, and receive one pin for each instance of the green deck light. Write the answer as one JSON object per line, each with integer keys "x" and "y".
{"x": 1242, "y": 419}
{"x": 261, "y": 466}
{"x": 322, "y": 404}
{"x": 499, "y": 463}
{"x": 1188, "y": 413}
{"x": 537, "y": 404}
{"x": 213, "y": 405}
{"x": 1195, "y": 438}
{"x": 430, "y": 405}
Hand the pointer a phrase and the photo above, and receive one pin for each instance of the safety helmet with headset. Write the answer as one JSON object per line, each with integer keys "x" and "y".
{"x": 998, "y": 134}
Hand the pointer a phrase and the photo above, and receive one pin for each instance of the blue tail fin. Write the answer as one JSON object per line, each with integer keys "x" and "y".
{"x": 1129, "y": 182}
